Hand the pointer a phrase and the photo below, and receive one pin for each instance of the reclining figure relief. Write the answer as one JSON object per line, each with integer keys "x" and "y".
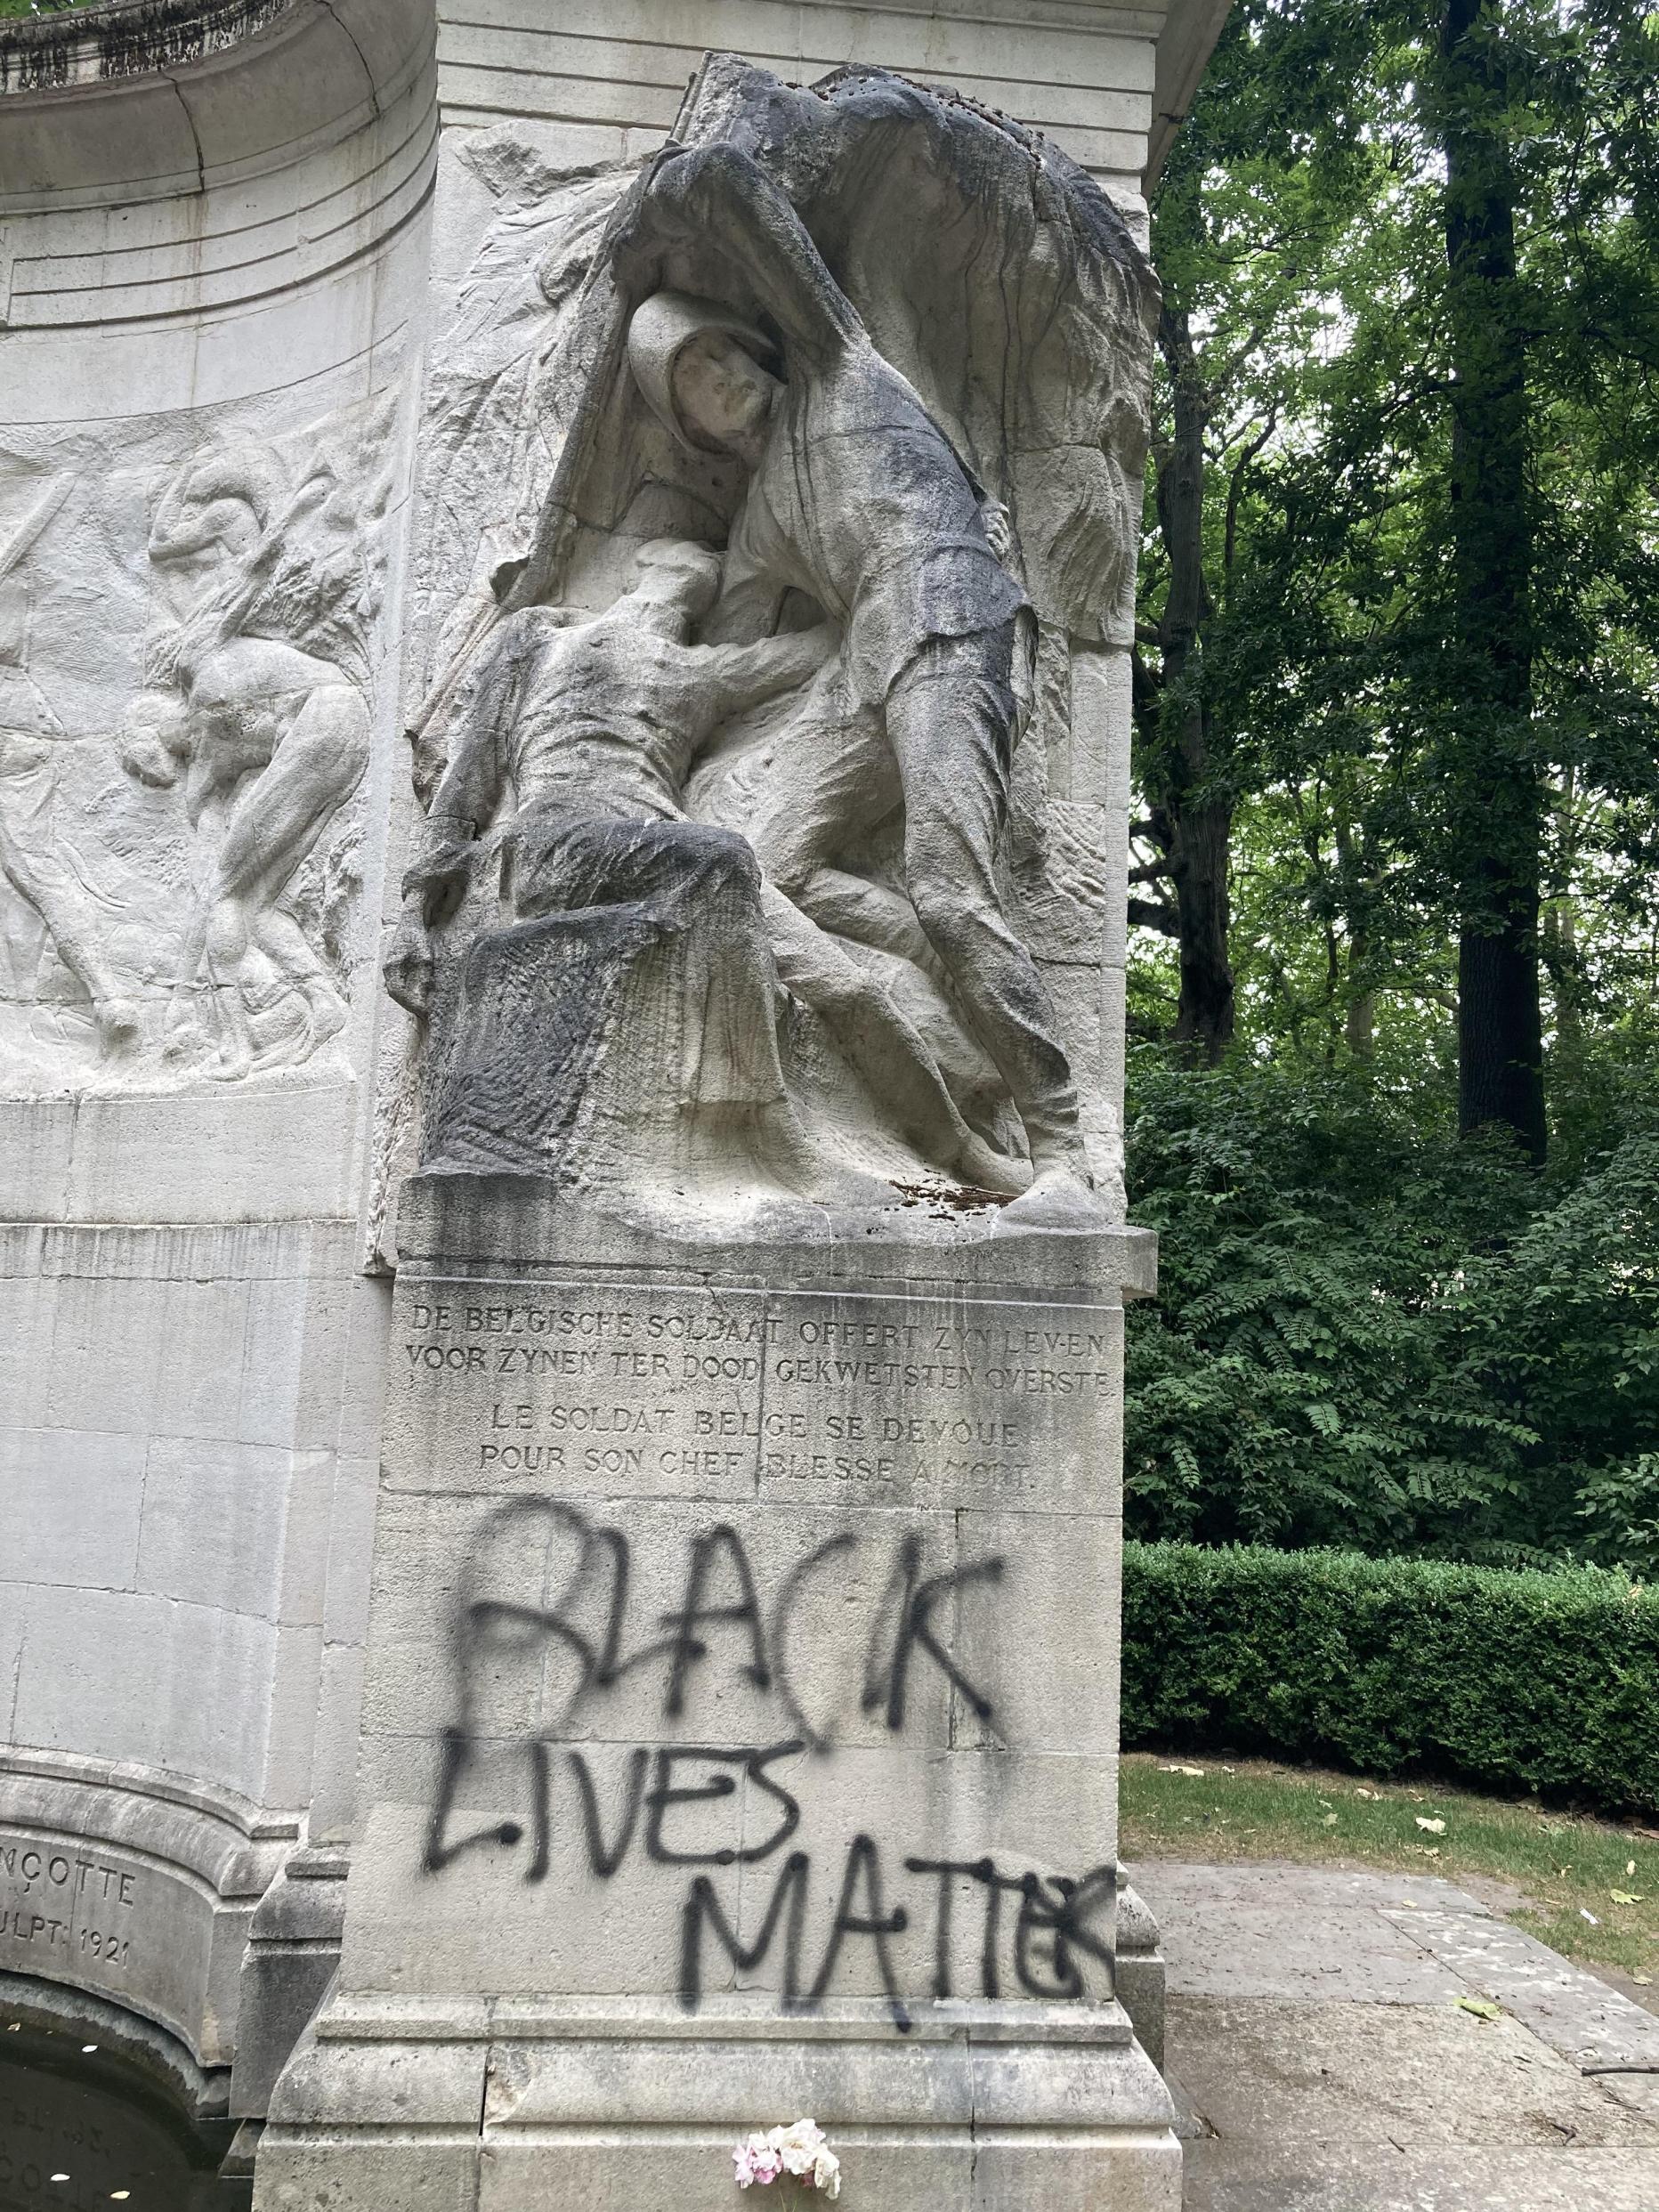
{"x": 586, "y": 730}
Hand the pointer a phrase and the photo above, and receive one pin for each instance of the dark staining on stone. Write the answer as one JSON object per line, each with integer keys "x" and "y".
{"x": 135, "y": 38}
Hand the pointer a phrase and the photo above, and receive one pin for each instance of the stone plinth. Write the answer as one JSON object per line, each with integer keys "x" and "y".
{"x": 741, "y": 1724}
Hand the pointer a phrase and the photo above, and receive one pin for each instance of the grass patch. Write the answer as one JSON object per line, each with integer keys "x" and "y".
{"x": 22, "y": 7}
{"x": 1566, "y": 1864}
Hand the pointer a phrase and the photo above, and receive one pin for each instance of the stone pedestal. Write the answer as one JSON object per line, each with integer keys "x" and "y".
{"x": 740, "y": 1727}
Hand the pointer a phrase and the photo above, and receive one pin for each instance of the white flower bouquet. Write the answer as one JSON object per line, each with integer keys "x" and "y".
{"x": 797, "y": 2158}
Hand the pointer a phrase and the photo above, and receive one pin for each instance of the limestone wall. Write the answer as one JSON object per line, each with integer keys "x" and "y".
{"x": 219, "y": 253}
{"x": 610, "y": 73}
{"x": 221, "y": 261}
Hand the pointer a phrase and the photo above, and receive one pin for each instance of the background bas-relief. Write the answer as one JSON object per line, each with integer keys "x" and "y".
{"x": 214, "y": 257}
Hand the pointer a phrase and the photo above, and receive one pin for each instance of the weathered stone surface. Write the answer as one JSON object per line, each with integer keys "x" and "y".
{"x": 1141, "y": 1972}
{"x": 1313, "y": 2085}
{"x": 231, "y": 569}
{"x": 1588, "y": 2022}
{"x": 134, "y": 1889}
{"x": 1402, "y": 2074}
{"x": 678, "y": 1666}
{"x": 801, "y": 1465}
{"x": 294, "y": 1950}
{"x": 730, "y": 1714}
{"x": 600, "y": 2100}
{"x": 1370, "y": 2177}
{"x": 180, "y": 878}
{"x": 203, "y": 457}
{"x": 755, "y": 924}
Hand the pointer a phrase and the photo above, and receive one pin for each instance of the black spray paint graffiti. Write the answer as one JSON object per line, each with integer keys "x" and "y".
{"x": 720, "y": 1592}
{"x": 1053, "y": 1909}
{"x": 722, "y": 1622}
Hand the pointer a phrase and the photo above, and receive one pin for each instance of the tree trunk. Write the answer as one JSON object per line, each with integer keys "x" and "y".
{"x": 1195, "y": 824}
{"x": 1359, "y": 1019}
{"x": 1498, "y": 793}
{"x": 1198, "y": 865}
{"x": 1499, "y": 1042}
{"x": 1359, "y": 1023}
{"x": 1561, "y": 924}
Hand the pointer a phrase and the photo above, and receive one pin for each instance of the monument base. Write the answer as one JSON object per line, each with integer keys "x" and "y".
{"x": 519, "y": 2105}
{"x": 740, "y": 1735}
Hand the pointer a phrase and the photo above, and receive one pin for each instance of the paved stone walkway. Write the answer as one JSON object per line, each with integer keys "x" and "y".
{"x": 1317, "y": 2043}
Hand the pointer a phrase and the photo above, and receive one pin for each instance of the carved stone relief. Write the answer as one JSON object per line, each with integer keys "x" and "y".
{"x": 747, "y": 760}
{"x": 188, "y": 653}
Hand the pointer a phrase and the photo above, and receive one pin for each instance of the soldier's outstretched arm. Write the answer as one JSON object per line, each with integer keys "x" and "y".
{"x": 469, "y": 789}
{"x": 739, "y": 677}
{"x": 720, "y": 197}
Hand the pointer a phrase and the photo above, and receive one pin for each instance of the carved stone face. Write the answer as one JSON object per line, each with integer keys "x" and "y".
{"x": 722, "y": 393}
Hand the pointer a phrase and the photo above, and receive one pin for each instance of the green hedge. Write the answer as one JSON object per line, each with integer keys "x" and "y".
{"x": 1509, "y": 1680}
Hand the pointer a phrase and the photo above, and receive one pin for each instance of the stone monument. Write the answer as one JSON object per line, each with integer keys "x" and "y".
{"x": 706, "y": 1257}
{"x": 740, "y": 1728}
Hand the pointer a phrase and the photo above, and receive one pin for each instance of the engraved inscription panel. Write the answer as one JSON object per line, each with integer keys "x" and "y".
{"x": 683, "y": 1392}
{"x": 731, "y": 1640}
{"x": 70, "y": 1912}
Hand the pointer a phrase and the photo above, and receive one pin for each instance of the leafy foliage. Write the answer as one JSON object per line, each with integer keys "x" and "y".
{"x": 1299, "y": 228}
{"x": 1370, "y": 1334}
{"x": 1507, "y": 1679}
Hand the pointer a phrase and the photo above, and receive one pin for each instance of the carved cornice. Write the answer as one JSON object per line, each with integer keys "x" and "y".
{"x": 161, "y": 158}
{"x": 125, "y": 38}
{"x": 1190, "y": 31}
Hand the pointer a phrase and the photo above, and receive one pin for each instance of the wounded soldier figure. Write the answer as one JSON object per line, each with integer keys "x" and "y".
{"x": 582, "y": 722}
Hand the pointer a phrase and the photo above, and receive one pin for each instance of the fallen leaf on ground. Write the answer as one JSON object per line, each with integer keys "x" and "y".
{"x": 1431, "y": 1828}
{"x": 1642, "y": 1981}
{"x": 1482, "y": 2007}
{"x": 1199, "y": 1771}
{"x": 1629, "y": 1866}
{"x": 1623, "y": 1897}
{"x": 1376, "y": 1794}
{"x": 1330, "y": 1820}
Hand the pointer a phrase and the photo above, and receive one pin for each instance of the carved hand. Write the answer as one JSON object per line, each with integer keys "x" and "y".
{"x": 410, "y": 967}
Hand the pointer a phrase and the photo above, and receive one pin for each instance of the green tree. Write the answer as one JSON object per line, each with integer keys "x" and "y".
{"x": 1490, "y": 758}
{"x": 1411, "y": 261}
{"x": 1241, "y": 223}
{"x": 1421, "y": 673}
